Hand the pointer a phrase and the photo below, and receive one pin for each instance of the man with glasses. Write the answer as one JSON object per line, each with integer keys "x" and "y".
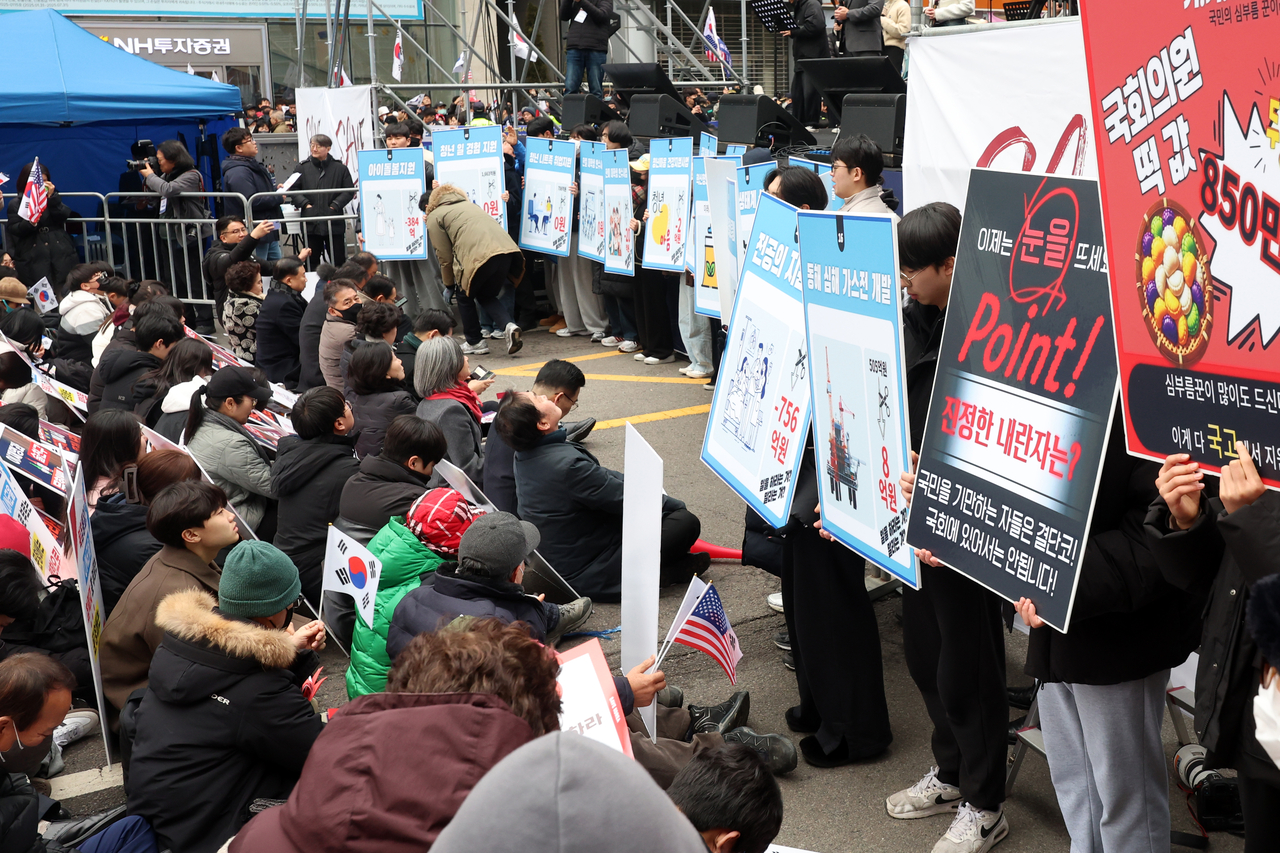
{"x": 856, "y": 166}
{"x": 243, "y": 173}
{"x": 234, "y": 243}
{"x": 560, "y": 382}
{"x": 322, "y": 172}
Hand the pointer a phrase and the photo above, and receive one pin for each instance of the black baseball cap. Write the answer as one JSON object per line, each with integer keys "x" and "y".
{"x": 235, "y": 381}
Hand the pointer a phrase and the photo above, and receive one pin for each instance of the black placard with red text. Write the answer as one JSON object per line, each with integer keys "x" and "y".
{"x": 1024, "y": 392}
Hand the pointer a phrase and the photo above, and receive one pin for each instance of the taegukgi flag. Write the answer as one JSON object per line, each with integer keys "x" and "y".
{"x": 351, "y": 570}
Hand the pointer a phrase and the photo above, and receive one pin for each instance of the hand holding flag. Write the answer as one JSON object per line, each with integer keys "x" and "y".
{"x": 35, "y": 197}
{"x": 707, "y": 629}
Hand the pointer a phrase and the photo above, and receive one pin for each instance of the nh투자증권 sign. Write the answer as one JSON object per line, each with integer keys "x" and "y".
{"x": 546, "y": 210}
{"x": 1186, "y": 112}
{"x": 392, "y": 180}
{"x": 1023, "y": 397}
{"x": 760, "y": 413}
{"x": 853, "y": 314}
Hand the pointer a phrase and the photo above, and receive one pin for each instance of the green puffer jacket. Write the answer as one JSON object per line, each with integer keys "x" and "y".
{"x": 404, "y": 560}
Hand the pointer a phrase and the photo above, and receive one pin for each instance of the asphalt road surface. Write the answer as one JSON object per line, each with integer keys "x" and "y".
{"x": 826, "y": 810}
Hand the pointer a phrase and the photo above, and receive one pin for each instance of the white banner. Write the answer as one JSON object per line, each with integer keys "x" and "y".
{"x": 344, "y": 115}
{"x": 641, "y": 528}
{"x": 349, "y": 569}
{"x": 967, "y": 109}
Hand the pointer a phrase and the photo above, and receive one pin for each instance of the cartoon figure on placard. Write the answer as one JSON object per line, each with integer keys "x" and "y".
{"x": 615, "y": 231}
{"x": 589, "y": 214}
{"x": 758, "y": 381}
{"x": 546, "y": 214}
{"x": 533, "y": 213}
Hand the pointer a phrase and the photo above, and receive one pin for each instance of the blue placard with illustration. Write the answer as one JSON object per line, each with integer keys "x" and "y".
{"x": 750, "y": 189}
{"x": 708, "y": 145}
{"x": 392, "y": 180}
{"x": 591, "y": 207}
{"x": 670, "y": 197}
{"x": 546, "y": 209}
{"x": 760, "y": 412}
{"x": 470, "y": 158}
{"x": 862, "y": 439}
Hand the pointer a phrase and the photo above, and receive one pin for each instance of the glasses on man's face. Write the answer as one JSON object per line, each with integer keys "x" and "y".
{"x": 238, "y": 231}
{"x": 909, "y": 278}
{"x": 573, "y": 401}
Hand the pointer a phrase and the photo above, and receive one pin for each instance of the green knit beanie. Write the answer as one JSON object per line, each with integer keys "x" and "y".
{"x": 258, "y": 580}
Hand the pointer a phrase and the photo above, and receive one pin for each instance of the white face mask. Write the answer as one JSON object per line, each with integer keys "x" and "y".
{"x": 1266, "y": 716}
{"x": 17, "y": 738}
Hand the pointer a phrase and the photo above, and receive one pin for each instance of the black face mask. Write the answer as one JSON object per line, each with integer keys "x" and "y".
{"x": 351, "y": 313}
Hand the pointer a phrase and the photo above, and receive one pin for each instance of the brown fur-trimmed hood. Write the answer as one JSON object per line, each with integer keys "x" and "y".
{"x": 190, "y": 616}
{"x": 443, "y": 194}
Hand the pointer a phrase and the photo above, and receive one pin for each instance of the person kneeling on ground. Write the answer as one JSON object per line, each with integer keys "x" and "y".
{"x": 730, "y": 798}
{"x": 485, "y": 582}
{"x": 223, "y": 721}
{"x": 576, "y": 503}
{"x": 465, "y": 697}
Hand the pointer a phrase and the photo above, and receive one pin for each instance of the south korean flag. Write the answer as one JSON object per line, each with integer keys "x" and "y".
{"x": 351, "y": 570}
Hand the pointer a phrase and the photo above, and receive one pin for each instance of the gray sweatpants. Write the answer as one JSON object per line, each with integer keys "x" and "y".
{"x": 1107, "y": 763}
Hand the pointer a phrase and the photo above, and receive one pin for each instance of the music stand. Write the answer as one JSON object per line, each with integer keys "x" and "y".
{"x": 861, "y": 75}
{"x": 775, "y": 15}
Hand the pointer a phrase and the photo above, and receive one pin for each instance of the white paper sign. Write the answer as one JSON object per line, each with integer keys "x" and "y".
{"x": 589, "y": 703}
{"x": 641, "y": 560}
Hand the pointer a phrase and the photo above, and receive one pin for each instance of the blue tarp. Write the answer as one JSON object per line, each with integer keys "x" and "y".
{"x": 60, "y": 73}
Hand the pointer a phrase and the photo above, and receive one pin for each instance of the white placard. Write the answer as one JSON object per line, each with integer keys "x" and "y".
{"x": 641, "y": 558}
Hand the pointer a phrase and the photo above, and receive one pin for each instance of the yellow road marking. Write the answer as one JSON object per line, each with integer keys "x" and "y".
{"x": 532, "y": 369}
{"x": 655, "y": 416}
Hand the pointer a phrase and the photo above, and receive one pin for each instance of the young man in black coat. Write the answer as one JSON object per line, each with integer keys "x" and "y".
{"x": 389, "y": 482}
{"x": 223, "y": 721}
{"x": 234, "y": 243}
{"x": 322, "y": 172}
{"x": 242, "y": 173}
{"x": 310, "y": 472}
{"x": 155, "y": 334}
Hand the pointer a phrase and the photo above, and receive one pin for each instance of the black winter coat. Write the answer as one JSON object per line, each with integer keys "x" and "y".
{"x": 122, "y": 543}
{"x": 576, "y": 504}
{"x": 221, "y": 256}
{"x": 406, "y": 350}
{"x": 279, "y": 321}
{"x": 124, "y": 339}
{"x": 1227, "y": 553}
{"x": 248, "y": 176}
{"x": 20, "y": 815}
{"x": 374, "y": 413}
{"x": 309, "y": 342}
{"x": 429, "y": 606}
{"x": 1127, "y": 621}
{"x": 810, "y": 33}
{"x": 308, "y": 478}
{"x": 381, "y": 491}
{"x": 591, "y": 34}
{"x": 329, "y": 174}
{"x": 222, "y": 723}
{"x": 119, "y": 370}
{"x": 42, "y": 249}
{"x": 921, "y": 340}
{"x": 500, "y": 474}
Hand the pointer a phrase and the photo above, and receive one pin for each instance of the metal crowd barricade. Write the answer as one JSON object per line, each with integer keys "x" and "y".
{"x": 294, "y": 229}
{"x": 87, "y": 232}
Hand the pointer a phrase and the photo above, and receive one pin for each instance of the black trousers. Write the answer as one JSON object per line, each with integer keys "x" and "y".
{"x": 680, "y": 529}
{"x": 653, "y": 319}
{"x": 806, "y": 100}
{"x": 954, "y": 644}
{"x": 321, "y": 242}
{"x": 896, "y": 55}
{"x": 1260, "y": 802}
{"x": 486, "y": 283}
{"x": 835, "y": 643}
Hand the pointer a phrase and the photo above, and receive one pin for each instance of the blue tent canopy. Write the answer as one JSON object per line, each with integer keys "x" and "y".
{"x": 63, "y": 74}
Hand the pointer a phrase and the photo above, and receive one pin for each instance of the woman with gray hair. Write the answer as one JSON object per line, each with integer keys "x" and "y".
{"x": 440, "y": 374}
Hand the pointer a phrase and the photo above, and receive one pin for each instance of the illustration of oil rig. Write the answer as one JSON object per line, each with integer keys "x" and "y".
{"x": 842, "y": 467}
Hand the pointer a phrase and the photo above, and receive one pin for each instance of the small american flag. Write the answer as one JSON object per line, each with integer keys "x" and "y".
{"x": 34, "y": 198}
{"x": 707, "y": 629}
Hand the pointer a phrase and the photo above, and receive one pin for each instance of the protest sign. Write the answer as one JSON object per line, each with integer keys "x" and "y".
{"x": 392, "y": 180}
{"x": 641, "y": 561}
{"x": 35, "y": 461}
{"x": 344, "y": 115}
{"x": 722, "y": 200}
{"x": 708, "y": 145}
{"x": 45, "y": 552}
{"x": 760, "y": 413}
{"x": 862, "y": 441}
{"x": 1022, "y": 401}
{"x": 1185, "y": 117}
{"x": 670, "y": 183}
{"x": 349, "y": 569}
{"x": 470, "y": 158}
{"x": 701, "y": 251}
{"x": 735, "y": 149}
{"x": 589, "y": 703}
{"x": 77, "y": 401}
{"x": 80, "y": 554}
{"x": 591, "y": 236}
{"x": 620, "y": 240}
{"x": 547, "y": 206}
{"x": 750, "y": 187}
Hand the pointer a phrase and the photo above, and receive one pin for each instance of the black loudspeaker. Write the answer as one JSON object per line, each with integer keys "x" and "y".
{"x": 852, "y": 75}
{"x": 585, "y": 109}
{"x": 639, "y": 78}
{"x": 881, "y": 117}
{"x": 662, "y": 115}
{"x": 752, "y": 119}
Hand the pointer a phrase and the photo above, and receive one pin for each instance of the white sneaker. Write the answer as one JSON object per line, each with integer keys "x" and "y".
{"x": 697, "y": 373}
{"x": 973, "y": 831}
{"x": 655, "y": 360}
{"x": 512, "y": 335}
{"x": 598, "y": 337}
{"x": 628, "y": 346}
{"x": 478, "y": 349}
{"x": 923, "y": 799}
{"x": 686, "y": 368}
{"x": 775, "y": 601}
{"x": 639, "y": 356}
{"x": 488, "y": 333}
{"x": 78, "y": 724}
{"x": 610, "y": 341}
{"x": 565, "y": 333}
